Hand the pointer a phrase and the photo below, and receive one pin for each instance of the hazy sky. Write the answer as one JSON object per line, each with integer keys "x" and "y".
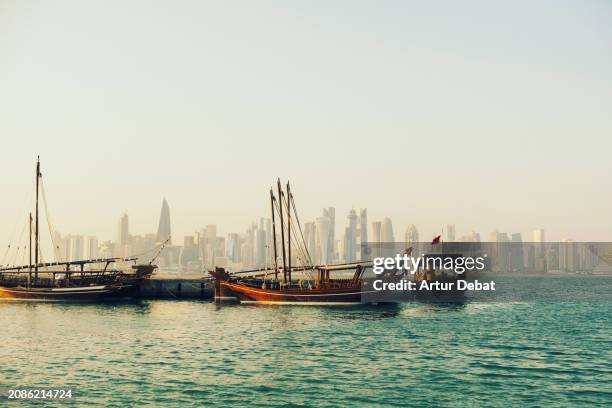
{"x": 483, "y": 114}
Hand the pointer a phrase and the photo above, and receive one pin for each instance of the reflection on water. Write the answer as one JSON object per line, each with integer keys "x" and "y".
{"x": 198, "y": 353}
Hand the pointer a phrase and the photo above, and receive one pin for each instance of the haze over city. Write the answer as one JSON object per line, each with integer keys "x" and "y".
{"x": 490, "y": 118}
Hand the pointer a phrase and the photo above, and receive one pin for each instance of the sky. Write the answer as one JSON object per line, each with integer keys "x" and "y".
{"x": 487, "y": 115}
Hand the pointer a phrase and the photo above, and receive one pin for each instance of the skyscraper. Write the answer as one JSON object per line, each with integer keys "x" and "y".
{"x": 91, "y": 248}
{"x": 123, "y": 230}
{"x": 517, "y": 256}
{"x": 76, "y": 247}
{"x": 412, "y": 234}
{"x": 164, "y": 231}
{"x": 350, "y": 237}
{"x": 386, "y": 233}
{"x": 376, "y": 228}
{"x": 310, "y": 238}
{"x": 330, "y": 213}
{"x": 362, "y": 235}
{"x": 539, "y": 250}
{"x": 323, "y": 230}
{"x": 538, "y": 235}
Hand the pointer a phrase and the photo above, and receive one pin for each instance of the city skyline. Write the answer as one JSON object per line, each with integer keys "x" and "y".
{"x": 205, "y": 249}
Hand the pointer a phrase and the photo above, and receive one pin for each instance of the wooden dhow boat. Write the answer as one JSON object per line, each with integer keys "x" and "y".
{"x": 81, "y": 280}
{"x": 284, "y": 283}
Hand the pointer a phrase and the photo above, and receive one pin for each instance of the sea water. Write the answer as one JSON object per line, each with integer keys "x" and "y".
{"x": 552, "y": 348}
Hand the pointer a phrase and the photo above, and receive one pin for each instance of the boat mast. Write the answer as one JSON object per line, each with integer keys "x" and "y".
{"x": 36, "y": 236}
{"x": 280, "y": 211}
{"x": 30, "y": 248}
{"x": 274, "y": 235}
{"x": 289, "y": 230}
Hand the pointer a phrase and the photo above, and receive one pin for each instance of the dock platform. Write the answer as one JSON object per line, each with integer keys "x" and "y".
{"x": 177, "y": 286}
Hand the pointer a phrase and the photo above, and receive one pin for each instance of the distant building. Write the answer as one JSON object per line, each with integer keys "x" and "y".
{"x": 568, "y": 256}
{"x": 538, "y": 235}
{"x": 350, "y": 238}
{"x": 91, "y": 248}
{"x": 517, "y": 256}
{"x": 324, "y": 245}
{"x": 539, "y": 250}
{"x": 189, "y": 258}
{"x": 330, "y": 213}
{"x": 164, "y": 230}
{"x": 362, "y": 251}
{"x": 310, "y": 238}
{"x": 76, "y": 247}
{"x": 386, "y": 232}
{"x": 123, "y": 231}
{"x": 412, "y": 234}
{"x": 233, "y": 248}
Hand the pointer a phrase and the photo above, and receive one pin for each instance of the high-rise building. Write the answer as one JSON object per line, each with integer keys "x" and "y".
{"x": 233, "y": 247}
{"x": 190, "y": 254}
{"x": 517, "y": 255}
{"x": 386, "y": 232}
{"x": 362, "y": 235}
{"x": 350, "y": 237}
{"x": 91, "y": 248}
{"x": 310, "y": 238}
{"x": 164, "y": 231}
{"x": 259, "y": 243}
{"x": 324, "y": 245}
{"x": 330, "y": 213}
{"x": 538, "y": 235}
{"x": 412, "y": 234}
{"x": 376, "y": 231}
{"x": 568, "y": 256}
{"x": 539, "y": 250}
{"x": 123, "y": 231}
{"x": 76, "y": 247}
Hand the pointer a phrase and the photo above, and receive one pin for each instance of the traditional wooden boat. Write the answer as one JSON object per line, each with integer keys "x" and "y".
{"x": 81, "y": 280}
{"x": 325, "y": 290}
{"x": 314, "y": 285}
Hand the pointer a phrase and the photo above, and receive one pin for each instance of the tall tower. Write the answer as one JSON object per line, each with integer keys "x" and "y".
{"x": 164, "y": 231}
{"x": 123, "y": 230}
{"x": 412, "y": 234}
{"x": 323, "y": 230}
{"x": 330, "y": 212}
{"x": 350, "y": 237}
{"x": 386, "y": 233}
{"x": 362, "y": 235}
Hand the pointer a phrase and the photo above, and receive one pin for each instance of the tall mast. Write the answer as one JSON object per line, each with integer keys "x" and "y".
{"x": 36, "y": 236}
{"x": 289, "y": 230}
{"x": 274, "y": 235}
{"x": 280, "y": 211}
{"x": 30, "y": 248}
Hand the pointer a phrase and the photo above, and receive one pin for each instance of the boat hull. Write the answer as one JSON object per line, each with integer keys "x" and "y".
{"x": 77, "y": 294}
{"x": 247, "y": 294}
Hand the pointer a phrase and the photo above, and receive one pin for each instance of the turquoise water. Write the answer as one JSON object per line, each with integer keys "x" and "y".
{"x": 553, "y": 352}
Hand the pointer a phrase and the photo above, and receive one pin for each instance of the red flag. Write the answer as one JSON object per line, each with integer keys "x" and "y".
{"x": 408, "y": 251}
{"x": 436, "y": 240}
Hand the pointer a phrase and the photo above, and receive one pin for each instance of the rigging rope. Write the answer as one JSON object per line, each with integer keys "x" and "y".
{"x": 28, "y": 204}
{"x": 300, "y": 228}
{"x": 305, "y": 256}
{"x": 301, "y": 244}
{"x": 19, "y": 242}
{"x": 56, "y": 248}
